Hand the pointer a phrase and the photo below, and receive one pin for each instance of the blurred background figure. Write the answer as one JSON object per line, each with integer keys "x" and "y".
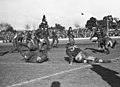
{"x": 55, "y": 38}
{"x": 71, "y": 36}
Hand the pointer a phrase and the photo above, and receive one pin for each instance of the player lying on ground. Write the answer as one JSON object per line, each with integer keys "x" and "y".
{"x": 78, "y": 55}
{"x": 34, "y": 54}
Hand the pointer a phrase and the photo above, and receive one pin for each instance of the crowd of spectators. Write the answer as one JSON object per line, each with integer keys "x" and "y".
{"x": 78, "y": 33}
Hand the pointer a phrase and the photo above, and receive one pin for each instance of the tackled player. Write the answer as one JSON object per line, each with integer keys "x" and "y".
{"x": 35, "y": 53}
{"x": 78, "y": 55}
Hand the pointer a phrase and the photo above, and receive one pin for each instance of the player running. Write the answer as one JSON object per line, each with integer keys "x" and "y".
{"x": 100, "y": 36}
{"x": 78, "y": 55}
{"x": 103, "y": 41}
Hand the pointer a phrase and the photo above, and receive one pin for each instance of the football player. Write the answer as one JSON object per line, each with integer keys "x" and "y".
{"x": 34, "y": 54}
{"x": 55, "y": 38}
{"x": 71, "y": 36}
{"x": 78, "y": 55}
{"x": 104, "y": 41}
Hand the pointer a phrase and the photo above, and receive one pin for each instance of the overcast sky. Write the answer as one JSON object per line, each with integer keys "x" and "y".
{"x": 66, "y": 12}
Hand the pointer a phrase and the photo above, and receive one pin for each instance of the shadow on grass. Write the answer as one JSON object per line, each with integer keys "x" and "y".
{"x": 67, "y": 59}
{"x": 3, "y": 53}
{"x": 10, "y": 51}
{"x": 107, "y": 75}
{"x": 95, "y": 50}
{"x": 55, "y": 84}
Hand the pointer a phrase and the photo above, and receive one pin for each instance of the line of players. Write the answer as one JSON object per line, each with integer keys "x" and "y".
{"x": 37, "y": 51}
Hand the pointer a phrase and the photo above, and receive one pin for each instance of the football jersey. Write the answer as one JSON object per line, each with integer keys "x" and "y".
{"x": 74, "y": 50}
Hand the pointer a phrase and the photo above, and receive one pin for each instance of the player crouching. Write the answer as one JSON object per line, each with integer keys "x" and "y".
{"x": 78, "y": 55}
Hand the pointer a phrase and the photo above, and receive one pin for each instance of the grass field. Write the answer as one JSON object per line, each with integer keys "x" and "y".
{"x": 14, "y": 72}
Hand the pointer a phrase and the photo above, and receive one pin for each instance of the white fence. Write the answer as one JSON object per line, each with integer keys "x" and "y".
{"x": 62, "y": 39}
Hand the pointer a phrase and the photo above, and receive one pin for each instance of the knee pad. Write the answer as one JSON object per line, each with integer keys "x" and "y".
{"x": 38, "y": 59}
{"x": 98, "y": 60}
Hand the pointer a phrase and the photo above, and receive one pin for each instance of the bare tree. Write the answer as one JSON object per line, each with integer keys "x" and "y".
{"x": 5, "y": 26}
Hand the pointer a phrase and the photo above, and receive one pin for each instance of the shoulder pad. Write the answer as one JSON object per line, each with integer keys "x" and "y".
{"x": 72, "y": 48}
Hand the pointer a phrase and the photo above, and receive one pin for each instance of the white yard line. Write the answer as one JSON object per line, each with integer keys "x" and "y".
{"x": 7, "y": 63}
{"x": 62, "y": 72}
{"x": 40, "y": 78}
{"x": 10, "y": 63}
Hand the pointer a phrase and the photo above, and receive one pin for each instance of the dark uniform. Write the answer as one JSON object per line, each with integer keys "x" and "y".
{"x": 108, "y": 42}
{"x": 55, "y": 38}
{"x": 38, "y": 34}
{"x": 104, "y": 41}
{"x": 45, "y": 37}
{"x": 100, "y": 38}
{"x": 34, "y": 54}
{"x": 17, "y": 38}
{"x": 28, "y": 37}
{"x": 78, "y": 55}
{"x": 71, "y": 36}
{"x": 45, "y": 33}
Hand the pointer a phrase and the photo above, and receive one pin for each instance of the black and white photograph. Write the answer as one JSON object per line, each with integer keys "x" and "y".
{"x": 59, "y": 43}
